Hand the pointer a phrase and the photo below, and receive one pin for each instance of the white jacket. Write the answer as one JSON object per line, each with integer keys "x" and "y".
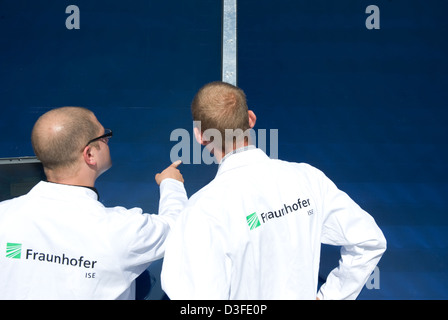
{"x": 256, "y": 230}
{"x": 60, "y": 242}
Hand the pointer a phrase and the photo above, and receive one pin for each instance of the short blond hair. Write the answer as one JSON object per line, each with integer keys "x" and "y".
{"x": 60, "y": 135}
{"x": 220, "y": 106}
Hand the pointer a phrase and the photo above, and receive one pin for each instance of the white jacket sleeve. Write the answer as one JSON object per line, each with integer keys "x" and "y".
{"x": 173, "y": 199}
{"x": 346, "y": 224}
{"x": 195, "y": 265}
{"x": 147, "y": 233}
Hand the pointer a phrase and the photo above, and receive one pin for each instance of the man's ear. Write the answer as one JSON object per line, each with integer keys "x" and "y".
{"x": 198, "y": 136}
{"x": 89, "y": 155}
{"x": 252, "y": 118}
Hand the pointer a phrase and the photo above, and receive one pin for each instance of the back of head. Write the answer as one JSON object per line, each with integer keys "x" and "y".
{"x": 220, "y": 106}
{"x": 60, "y": 135}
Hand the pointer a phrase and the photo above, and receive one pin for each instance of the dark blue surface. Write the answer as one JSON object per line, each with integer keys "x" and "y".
{"x": 368, "y": 107}
{"x": 136, "y": 64}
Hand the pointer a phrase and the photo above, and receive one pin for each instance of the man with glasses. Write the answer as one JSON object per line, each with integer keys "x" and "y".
{"x": 60, "y": 241}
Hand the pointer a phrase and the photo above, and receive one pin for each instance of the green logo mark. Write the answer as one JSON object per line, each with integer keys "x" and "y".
{"x": 13, "y": 250}
{"x": 252, "y": 221}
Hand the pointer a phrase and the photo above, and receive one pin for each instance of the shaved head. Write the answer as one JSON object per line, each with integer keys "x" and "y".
{"x": 60, "y": 135}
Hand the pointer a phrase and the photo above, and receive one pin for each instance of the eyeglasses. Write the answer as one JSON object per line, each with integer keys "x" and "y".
{"x": 106, "y": 136}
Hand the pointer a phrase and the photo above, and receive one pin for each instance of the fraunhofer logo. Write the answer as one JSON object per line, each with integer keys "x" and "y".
{"x": 13, "y": 250}
{"x": 253, "y": 221}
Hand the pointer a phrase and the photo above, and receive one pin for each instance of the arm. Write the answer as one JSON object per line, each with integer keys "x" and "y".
{"x": 346, "y": 224}
{"x": 173, "y": 196}
{"x": 171, "y": 172}
{"x": 148, "y": 232}
{"x": 195, "y": 265}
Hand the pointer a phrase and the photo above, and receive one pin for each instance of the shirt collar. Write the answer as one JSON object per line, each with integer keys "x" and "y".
{"x": 91, "y": 188}
{"x": 242, "y": 149}
{"x": 241, "y": 157}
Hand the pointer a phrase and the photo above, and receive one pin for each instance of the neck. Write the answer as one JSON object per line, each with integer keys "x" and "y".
{"x": 72, "y": 182}
{"x": 219, "y": 155}
{"x": 77, "y": 179}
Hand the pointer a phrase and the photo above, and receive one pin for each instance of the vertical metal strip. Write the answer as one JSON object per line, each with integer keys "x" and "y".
{"x": 229, "y": 42}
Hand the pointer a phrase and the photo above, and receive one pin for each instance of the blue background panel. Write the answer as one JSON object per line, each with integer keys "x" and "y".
{"x": 136, "y": 64}
{"x": 369, "y": 108}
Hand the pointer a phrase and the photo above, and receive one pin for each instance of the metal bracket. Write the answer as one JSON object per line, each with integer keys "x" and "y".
{"x": 229, "y": 42}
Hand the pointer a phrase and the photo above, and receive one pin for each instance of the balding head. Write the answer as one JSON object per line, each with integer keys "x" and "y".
{"x": 60, "y": 135}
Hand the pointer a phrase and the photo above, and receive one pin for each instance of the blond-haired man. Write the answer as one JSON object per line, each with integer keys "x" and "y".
{"x": 255, "y": 231}
{"x": 61, "y": 242}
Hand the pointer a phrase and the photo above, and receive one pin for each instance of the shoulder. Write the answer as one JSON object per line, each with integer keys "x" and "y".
{"x": 297, "y": 167}
{"x": 205, "y": 207}
{"x": 121, "y": 213}
{"x": 206, "y": 196}
{"x": 6, "y": 204}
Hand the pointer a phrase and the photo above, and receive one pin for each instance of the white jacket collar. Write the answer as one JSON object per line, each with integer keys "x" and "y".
{"x": 241, "y": 157}
{"x": 57, "y": 190}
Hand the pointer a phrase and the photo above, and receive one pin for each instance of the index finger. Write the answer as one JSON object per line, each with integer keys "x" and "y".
{"x": 176, "y": 163}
